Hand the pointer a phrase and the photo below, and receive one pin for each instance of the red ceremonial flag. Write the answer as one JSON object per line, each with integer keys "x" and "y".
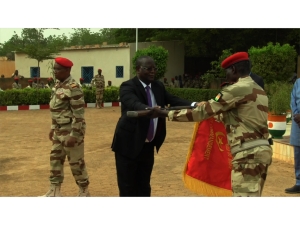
{"x": 208, "y": 166}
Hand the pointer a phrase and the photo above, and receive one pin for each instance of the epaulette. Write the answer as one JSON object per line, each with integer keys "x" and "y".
{"x": 73, "y": 85}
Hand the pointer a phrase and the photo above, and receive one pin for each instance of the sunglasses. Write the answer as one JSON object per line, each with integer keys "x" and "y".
{"x": 149, "y": 68}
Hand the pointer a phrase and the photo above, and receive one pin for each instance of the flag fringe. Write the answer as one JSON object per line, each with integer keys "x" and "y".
{"x": 197, "y": 186}
{"x": 202, "y": 188}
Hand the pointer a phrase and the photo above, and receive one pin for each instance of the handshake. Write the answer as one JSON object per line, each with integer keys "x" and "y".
{"x": 157, "y": 111}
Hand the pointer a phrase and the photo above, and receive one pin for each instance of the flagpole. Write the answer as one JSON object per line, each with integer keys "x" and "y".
{"x": 136, "y": 39}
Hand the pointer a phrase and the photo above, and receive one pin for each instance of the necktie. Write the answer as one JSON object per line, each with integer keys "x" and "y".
{"x": 151, "y": 127}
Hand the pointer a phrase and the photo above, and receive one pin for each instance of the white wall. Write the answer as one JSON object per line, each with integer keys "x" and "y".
{"x": 105, "y": 58}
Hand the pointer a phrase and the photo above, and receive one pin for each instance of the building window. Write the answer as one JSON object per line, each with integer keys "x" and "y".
{"x": 34, "y": 72}
{"x": 119, "y": 71}
{"x": 87, "y": 73}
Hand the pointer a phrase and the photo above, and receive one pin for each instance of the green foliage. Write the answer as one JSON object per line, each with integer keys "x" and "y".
{"x": 160, "y": 56}
{"x": 33, "y": 43}
{"x": 273, "y": 62}
{"x": 216, "y": 70}
{"x": 279, "y": 94}
{"x": 28, "y": 96}
{"x": 25, "y": 96}
{"x": 193, "y": 94}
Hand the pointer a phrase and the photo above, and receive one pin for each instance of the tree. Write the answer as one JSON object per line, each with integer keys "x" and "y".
{"x": 159, "y": 55}
{"x": 9, "y": 47}
{"x": 273, "y": 61}
{"x": 84, "y": 36}
{"x": 36, "y": 46}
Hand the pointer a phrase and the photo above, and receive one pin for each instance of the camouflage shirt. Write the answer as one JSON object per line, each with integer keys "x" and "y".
{"x": 34, "y": 85}
{"x": 98, "y": 81}
{"x": 67, "y": 106}
{"x": 16, "y": 86}
{"x": 244, "y": 107}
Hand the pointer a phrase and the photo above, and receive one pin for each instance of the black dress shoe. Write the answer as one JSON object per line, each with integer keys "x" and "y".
{"x": 293, "y": 190}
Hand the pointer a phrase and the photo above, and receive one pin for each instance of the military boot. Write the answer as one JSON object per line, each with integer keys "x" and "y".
{"x": 54, "y": 191}
{"x": 83, "y": 192}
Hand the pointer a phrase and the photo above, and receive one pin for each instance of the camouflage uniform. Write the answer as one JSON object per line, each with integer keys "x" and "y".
{"x": 166, "y": 84}
{"x": 244, "y": 106}
{"x": 47, "y": 86}
{"x": 34, "y": 85}
{"x": 67, "y": 111}
{"x": 99, "y": 82}
{"x": 16, "y": 85}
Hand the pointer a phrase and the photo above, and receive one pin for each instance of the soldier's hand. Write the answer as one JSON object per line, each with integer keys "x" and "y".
{"x": 70, "y": 142}
{"x": 201, "y": 103}
{"x": 51, "y": 134}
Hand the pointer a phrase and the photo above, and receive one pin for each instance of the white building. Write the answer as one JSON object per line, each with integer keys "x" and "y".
{"x": 114, "y": 60}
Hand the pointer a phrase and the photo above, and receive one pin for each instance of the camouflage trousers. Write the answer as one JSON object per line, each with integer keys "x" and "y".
{"x": 99, "y": 96}
{"x": 74, "y": 154}
{"x": 249, "y": 171}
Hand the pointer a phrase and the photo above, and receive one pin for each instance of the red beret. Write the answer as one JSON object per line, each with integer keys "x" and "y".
{"x": 29, "y": 81}
{"x": 38, "y": 78}
{"x": 63, "y": 62}
{"x": 16, "y": 78}
{"x": 50, "y": 78}
{"x": 81, "y": 78}
{"x": 35, "y": 78}
{"x": 99, "y": 69}
{"x": 235, "y": 58}
{"x": 173, "y": 79}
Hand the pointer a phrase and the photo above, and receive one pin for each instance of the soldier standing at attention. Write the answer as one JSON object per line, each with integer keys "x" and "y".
{"x": 244, "y": 106}
{"x": 67, "y": 130}
{"x": 29, "y": 84}
{"x": 50, "y": 83}
{"x": 16, "y": 84}
{"x": 35, "y": 84}
{"x": 99, "y": 82}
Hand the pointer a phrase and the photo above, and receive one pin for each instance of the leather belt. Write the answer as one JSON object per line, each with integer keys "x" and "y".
{"x": 249, "y": 144}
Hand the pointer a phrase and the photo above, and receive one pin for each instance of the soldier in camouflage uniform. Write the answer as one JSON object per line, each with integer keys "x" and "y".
{"x": 176, "y": 82}
{"x": 98, "y": 81}
{"x": 172, "y": 84}
{"x": 39, "y": 84}
{"x": 50, "y": 83}
{"x": 166, "y": 82}
{"x": 34, "y": 84}
{"x": 16, "y": 84}
{"x": 67, "y": 130}
{"x": 244, "y": 106}
{"x": 29, "y": 84}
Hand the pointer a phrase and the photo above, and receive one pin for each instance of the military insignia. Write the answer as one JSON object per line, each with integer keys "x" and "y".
{"x": 59, "y": 91}
{"x": 217, "y": 98}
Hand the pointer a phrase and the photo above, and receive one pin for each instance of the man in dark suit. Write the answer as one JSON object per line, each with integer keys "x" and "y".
{"x": 258, "y": 79}
{"x": 135, "y": 138}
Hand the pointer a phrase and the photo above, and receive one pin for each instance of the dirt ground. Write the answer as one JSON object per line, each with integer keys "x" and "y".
{"x": 25, "y": 148}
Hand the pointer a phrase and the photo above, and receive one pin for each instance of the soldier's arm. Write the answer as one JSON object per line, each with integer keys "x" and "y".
{"x": 223, "y": 102}
{"x": 77, "y": 107}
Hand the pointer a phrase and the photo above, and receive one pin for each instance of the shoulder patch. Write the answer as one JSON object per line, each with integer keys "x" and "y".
{"x": 73, "y": 85}
{"x": 217, "y": 98}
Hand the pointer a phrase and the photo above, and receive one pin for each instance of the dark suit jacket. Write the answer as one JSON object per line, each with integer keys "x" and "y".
{"x": 131, "y": 133}
{"x": 257, "y": 79}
